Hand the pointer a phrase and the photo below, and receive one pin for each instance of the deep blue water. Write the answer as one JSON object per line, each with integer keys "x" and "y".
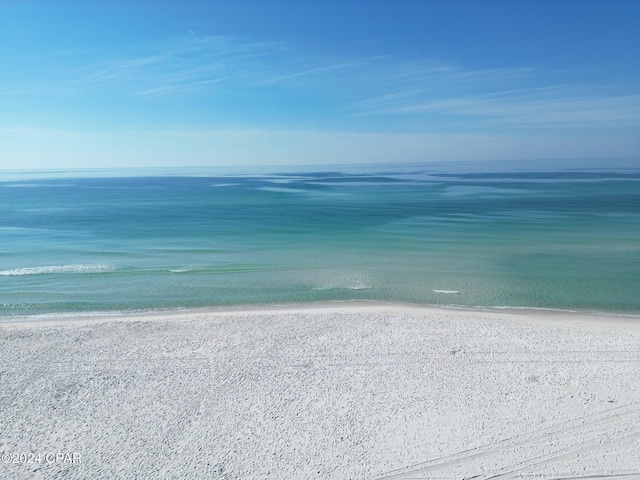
{"x": 472, "y": 235}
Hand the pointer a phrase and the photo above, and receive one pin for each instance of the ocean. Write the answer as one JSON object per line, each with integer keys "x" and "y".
{"x": 476, "y": 234}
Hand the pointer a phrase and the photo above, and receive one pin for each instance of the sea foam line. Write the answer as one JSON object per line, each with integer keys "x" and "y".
{"x": 78, "y": 268}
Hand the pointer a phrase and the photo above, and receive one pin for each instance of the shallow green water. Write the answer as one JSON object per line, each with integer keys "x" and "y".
{"x": 550, "y": 238}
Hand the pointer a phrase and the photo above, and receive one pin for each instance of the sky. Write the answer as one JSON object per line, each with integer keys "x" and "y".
{"x": 211, "y": 83}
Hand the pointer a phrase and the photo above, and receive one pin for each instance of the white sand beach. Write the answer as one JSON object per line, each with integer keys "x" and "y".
{"x": 334, "y": 391}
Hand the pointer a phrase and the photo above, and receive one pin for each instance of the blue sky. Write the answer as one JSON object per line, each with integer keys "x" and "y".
{"x": 125, "y": 83}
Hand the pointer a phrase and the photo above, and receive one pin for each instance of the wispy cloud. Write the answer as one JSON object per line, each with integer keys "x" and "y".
{"x": 538, "y": 107}
{"x": 180, "y": 87}
{"x": 190, "y": 63}
{"x": 197, "y": 61}
{"x": 194, "y": 63}
{"x": 311, "y": 71}
{"x": 364, "y": 92}
{"x": 121, "y": 69}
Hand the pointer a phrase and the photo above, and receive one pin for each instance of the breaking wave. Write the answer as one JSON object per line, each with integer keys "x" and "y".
{"x": 81, "y": 268}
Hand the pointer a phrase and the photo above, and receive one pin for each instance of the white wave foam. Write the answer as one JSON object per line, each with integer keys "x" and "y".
{"x": 33, "y": 185}
{"x": 351, "y": 287}
{"x": 447, "y": 291}
{"x": 180, "y": 270}
{"x": 357, "y": 287}
{"x": 79, "y": 268}
{"x": 343, "y": 283}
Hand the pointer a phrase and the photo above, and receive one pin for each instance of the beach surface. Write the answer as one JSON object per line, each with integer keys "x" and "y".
{"x": 331, "y": 391}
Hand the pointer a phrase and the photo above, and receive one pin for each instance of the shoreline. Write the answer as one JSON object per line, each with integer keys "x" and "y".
{"x": 325, "y": 306}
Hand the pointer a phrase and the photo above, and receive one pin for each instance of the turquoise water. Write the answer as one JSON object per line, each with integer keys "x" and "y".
{"x": 465, "y": 234}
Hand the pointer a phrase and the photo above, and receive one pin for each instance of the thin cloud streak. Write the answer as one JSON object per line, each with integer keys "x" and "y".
{"x": 546, "y": 106}
{"x": 572, "y": 110}
{"x": 305, "y": 72}
{"x": 120, "y": 69}
{"x": 185, "y": 60}
{"x": 183, "y": 87}
{"x": 406, "y": 100}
